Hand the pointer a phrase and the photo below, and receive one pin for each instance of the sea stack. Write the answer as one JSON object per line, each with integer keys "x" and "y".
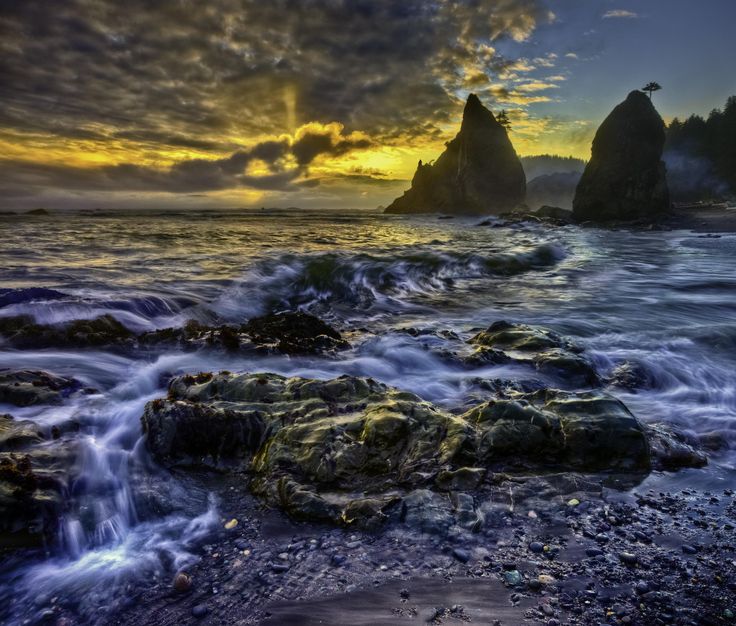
{"x": 479, "y": 171}
{"x": 625, "y": 178}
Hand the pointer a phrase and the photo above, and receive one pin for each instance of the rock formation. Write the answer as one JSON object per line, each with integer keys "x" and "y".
{"x": 625, "y": 178}
{"x": 479, "y": 171}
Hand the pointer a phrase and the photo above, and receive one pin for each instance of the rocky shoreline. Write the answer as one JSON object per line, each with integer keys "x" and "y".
{"x": 388, "y": 507}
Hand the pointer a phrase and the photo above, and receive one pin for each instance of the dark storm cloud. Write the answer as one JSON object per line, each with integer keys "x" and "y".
{"x": 211, "y": 75}
{"x": 192, "y": 174}
{"x": 201, "y": 67}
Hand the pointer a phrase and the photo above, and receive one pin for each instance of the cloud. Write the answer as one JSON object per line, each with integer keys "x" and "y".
{"x": 285, "y": 158}
{"x": 187, "y": 96}
{"x": 619, "y": 13}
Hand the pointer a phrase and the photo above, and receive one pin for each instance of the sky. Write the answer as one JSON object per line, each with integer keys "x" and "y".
{"x": 320, "y": 103}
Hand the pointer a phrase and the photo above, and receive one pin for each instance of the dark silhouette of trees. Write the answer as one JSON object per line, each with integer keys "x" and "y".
{"x": 503, "y": 119}
{"x": 651, "y": 87}
{"x": 704, "y": 148}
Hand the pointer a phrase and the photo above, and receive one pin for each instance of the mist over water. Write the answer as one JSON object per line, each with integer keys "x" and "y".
{"x": 662, "y": 300}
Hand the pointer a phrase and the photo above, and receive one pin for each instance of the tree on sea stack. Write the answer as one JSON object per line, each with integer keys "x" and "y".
{"x": 503, "y": 119}
{"x": 650, "y": 88}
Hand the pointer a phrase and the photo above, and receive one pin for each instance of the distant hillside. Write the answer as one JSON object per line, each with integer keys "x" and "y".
{"x": 544, "y": 164}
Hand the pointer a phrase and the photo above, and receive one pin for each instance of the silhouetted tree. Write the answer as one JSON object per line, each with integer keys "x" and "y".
{"x": 503, "y": 119}
{"x": 651, "y": 87}
{"x": 708, "y": 145}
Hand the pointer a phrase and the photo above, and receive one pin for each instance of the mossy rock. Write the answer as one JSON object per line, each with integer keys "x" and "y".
{"x": 347, "y": 450}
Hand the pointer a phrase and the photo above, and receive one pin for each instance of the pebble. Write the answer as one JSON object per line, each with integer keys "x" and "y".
{"x": 689, "y": 549}
{"x": 338, "y": 559}
{"x": 546, "y": 579}
{"x": 537, "y": 547}
{"x": 182, "y": 582}
{"x": 573, "y": 502}
{"x": 461, "y": 555}
{"x": 593, "y": 552}
{"x": 512, "y": 577}
{"x": 641, "y": 587}
{"x": 628, "y": 557}
{"x": 231, "y": 524}
{"x": 200, "y": 611}
{"x": 279, "y": 568}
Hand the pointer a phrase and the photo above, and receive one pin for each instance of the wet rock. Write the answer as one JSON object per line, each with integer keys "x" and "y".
{"x": 294, "y": 333}
{"x": 104, "y": 331}
{"x": 199, "y": 611}
{"x": 632, "y": 375}
{"x": 31, "y": 387}
{"x": 18, "y": 434}
{"x": 479, "y": 171}
{"x": 548, "y": 352}
{"x": 182, "y": 582}
{"x": 353, "y": 451}
{"x": 585, "y": 431}
{"x": 426, "y": 511}
{"x": 461, "y": 555}
{"x": 537, "y": 547}
{"x": 33, "y": 491}
{"x": 625, "y": 178}
{"x": 193, "y": 336}
{"x": 672, "y": 449}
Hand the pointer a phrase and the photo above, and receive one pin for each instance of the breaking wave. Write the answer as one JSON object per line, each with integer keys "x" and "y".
{"x": 367, "y": 280}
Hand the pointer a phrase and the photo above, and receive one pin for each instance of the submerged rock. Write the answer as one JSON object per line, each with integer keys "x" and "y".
{"x": 34, "y": 475}
{"x": 288, "y": 333}
{"x": 294, "y": 333}
{"x": 30, "y": 387}
{"x": 548, "y": 352}
{"x": 350, "y": 450}
{"x": 625, "y": 178}
{"x": 479, "y": 171}
{"x": 104, "y": 331}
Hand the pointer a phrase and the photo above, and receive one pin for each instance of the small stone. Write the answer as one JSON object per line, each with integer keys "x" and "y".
{"x": 548, "y": 610}
{"x": 593, "y": 552}
{"x": 461, "y": 555}
{"x": 512, "y": 577}
{"x": 279, "y": 568}
{"x": 573, "y": 502}
{"x": 546, "y": 579}
{"x": 182, "y": 582}
{"x": 338, "y": 559}
{"x": 199, "y": 611}
{"x": 641, "y": 587}
{"x": 537, "y": 547}
{"x": 231, "y": 524}
{"x": 628, "y": 557}
{"x": 689, "y": 549}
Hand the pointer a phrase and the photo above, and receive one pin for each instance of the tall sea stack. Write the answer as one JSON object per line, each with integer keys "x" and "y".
{"x": 479, "y": 171}
{"x": 625, "y": 178}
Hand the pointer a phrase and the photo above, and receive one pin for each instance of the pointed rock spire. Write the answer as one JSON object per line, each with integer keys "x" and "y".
{"x": 479, "y": 171}
{"x": 625, "y": 178}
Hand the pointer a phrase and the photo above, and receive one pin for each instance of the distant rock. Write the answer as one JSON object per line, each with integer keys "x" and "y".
{"x": 625, "y": 178}
{"x": 478, "y": 173}
{"x": 37, "y": 212}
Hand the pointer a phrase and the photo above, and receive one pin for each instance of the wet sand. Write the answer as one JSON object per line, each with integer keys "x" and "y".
{"x": 705, "y": 220}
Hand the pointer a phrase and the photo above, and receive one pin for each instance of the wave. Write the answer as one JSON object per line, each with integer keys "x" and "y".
{"x": 29, "y": 294}
{"x": 138, "y": 312}
{"x": 363, "y": 280}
